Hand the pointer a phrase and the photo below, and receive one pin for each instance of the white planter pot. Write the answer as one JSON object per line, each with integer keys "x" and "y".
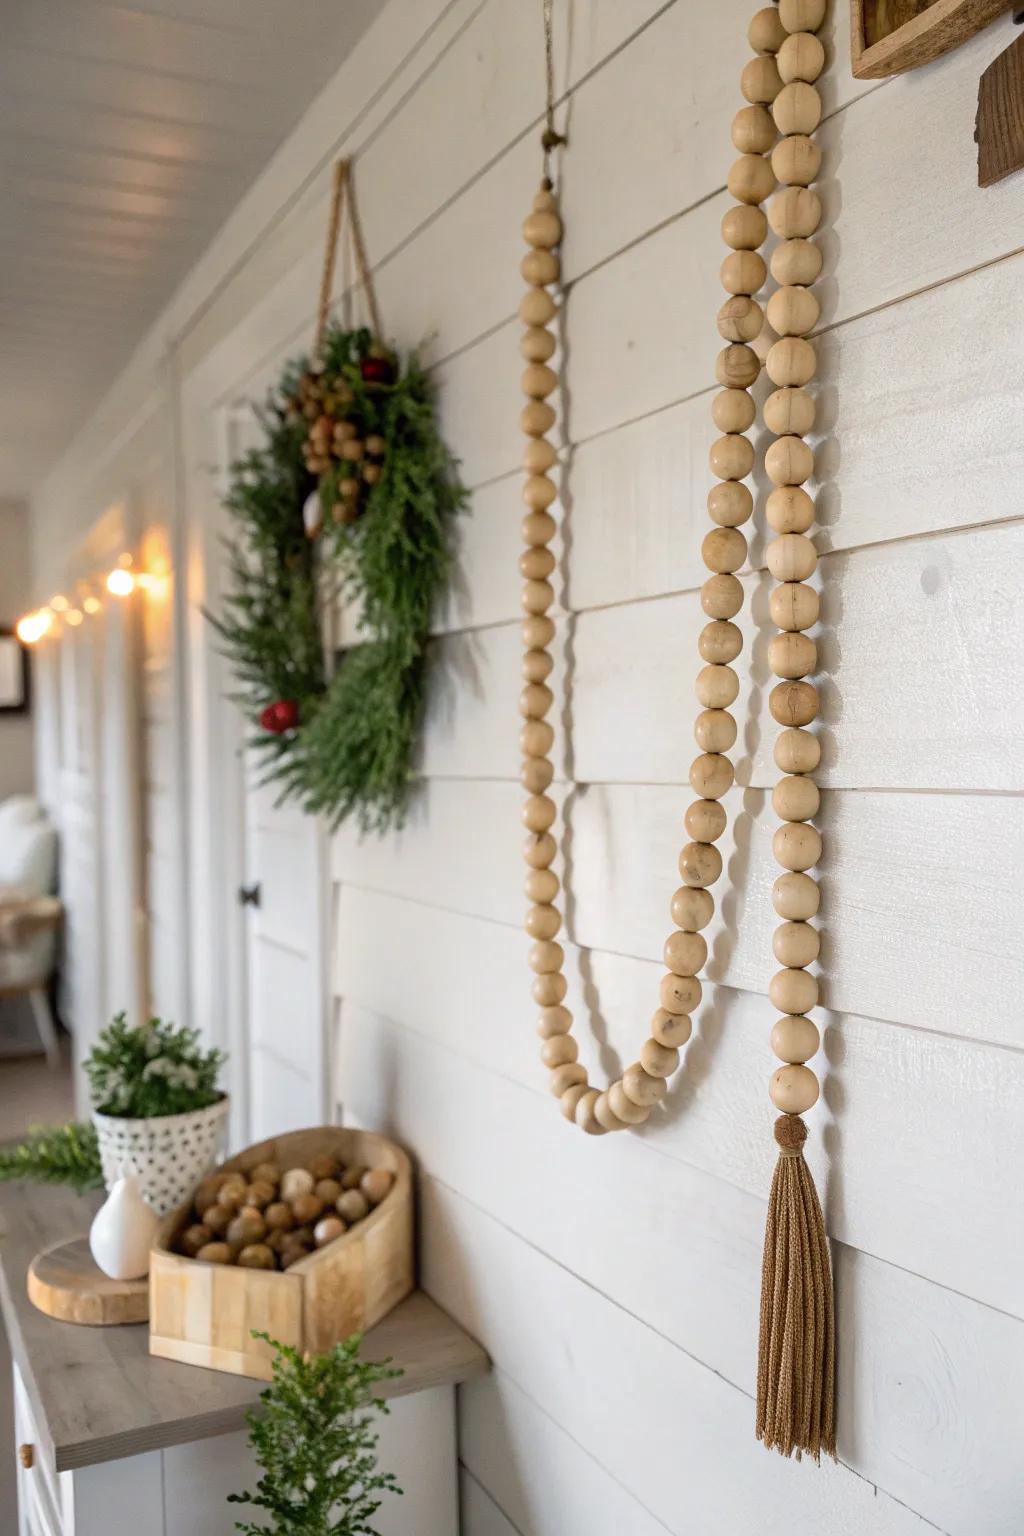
{"x": 168, "y": 1153}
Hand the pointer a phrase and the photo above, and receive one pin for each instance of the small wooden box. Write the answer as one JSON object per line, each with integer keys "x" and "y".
{"x": 204, "y": 1314}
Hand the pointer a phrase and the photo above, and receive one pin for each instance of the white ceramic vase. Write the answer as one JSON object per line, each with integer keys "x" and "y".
{"x": 123, "y": 1230}
{"x": 169, "y": 1154}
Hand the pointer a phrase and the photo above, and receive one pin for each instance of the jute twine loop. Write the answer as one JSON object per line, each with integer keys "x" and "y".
{"x": 343, "y": 191}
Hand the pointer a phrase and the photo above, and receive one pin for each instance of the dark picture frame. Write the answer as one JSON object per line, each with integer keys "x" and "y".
{"x": 14, "y": 674}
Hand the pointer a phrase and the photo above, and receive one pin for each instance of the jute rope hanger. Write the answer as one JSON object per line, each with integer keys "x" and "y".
{"x": 796, "y": 1357}
{"x": 343, "y": 191}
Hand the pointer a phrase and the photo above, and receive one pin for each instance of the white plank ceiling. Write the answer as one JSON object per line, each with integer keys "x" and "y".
{"x": 127, "y": 134}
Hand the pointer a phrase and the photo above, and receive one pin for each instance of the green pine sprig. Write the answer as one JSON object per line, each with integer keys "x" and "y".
{"x": 60, "y": 1154}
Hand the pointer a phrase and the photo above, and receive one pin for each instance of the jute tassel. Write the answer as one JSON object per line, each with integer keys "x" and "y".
{"x": 796, "y": 1352}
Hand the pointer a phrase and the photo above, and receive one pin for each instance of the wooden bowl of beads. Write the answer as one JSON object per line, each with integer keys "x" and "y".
{"x": 210, "y": 1286}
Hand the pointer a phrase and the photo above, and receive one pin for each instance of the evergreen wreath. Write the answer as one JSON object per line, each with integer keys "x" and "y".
{"x": 351, "y": 493}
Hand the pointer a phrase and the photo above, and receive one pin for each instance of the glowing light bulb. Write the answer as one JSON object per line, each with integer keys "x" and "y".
{"x": 92, "y": 604}
{"x": 121, "y": 582}
{"x": 73, "y": 617}
{"x": 59, "y": 604}
{"x": 34, "y": 626}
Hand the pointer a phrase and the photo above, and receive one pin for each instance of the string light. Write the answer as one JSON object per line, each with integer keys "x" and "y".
{"x": 121, "y": 582}
{"x": 73, "y": 617}
{"x": 59, "y": 604}
{"x": 34, "y": 626}
{"x": 91, "y": 604}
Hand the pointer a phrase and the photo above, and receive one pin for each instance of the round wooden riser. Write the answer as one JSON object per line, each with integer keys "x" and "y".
{"x": 66, "y": 1283}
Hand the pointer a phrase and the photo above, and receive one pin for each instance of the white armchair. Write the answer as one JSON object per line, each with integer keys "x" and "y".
{"x": 30, "y": 914}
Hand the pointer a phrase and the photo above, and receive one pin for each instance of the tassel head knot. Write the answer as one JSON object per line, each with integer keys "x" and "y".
{"x": 790, "y": 1133}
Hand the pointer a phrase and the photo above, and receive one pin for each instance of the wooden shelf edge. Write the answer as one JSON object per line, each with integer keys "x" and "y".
{"x": 943, "y": 26}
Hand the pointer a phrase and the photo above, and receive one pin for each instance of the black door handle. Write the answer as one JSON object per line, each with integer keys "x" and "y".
{"x": 249, "y": 895}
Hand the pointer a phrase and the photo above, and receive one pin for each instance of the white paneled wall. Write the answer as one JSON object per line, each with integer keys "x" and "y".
{"x": 615, "y": 1281}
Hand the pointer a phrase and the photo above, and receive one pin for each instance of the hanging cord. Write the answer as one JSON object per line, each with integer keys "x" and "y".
{"x": 550, "y": 138}
{"x": 344, "y": 186}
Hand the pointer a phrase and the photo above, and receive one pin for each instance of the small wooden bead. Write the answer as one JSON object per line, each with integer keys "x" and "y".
{"x": 538, "y": 455}
{"x": 535, "y": 774}
{"x": 539, "y": 850}
{"x": 753, "y": 130}
{"x": 672, "y": 1029}
{"x": 585, "y": 1116}
{"x": 658, "y": 1060}
{"x": 536, "y": 738}
{"x": 536, "y": 418}
{"x": 793, "y": 1089}
{"x": 539, "y": 813}
{"x": 793, "y": 311}
{"x": 541, "y": 885}
{"x": 549, "y": 989}
{"x": 802, "y": 15}
{"x": 792, "y": 655}
{"x": 539, "y": 492}
{"x": 537, "y": 307}
{"x": 538, "y": 380}
{"x": 536, "y": 562}
{"x": 714, "y": 730}
{"x": 751, "y": 179}
{"x": 730, "y": 503}
{"x": 744, "y": 228}
{"x": 686, "y": 953}
{"x": 679, "y": 994}
{"x": 737, "y": 366}
{"x": 796, "y": 944}
{"x": 796, "y": 109}
{"x": 543, "y": 230}
{"x": 559, "y": 1050}
{"x": 796, "y": 262}
{"x": 544, "y": 200}
{"x": 605, "y": 1115}
{"x": 740, "y": 319}
{"x": 791, "y": 361}
{"x": 537, "y": 665}
{"x": 760, "y": 81}
{"x": 724, "y": 550}
{"x": 797, "y": 845}
{"x": 789, "y": 461}
{"x": 538, "y": 528}
{"x": 537, "y": 631}
{"x": 796, "y": 798}
{"x": 692, "y": 908}
{"x": 536, "y": 345}
{"x": 794, "y": 605}
{"x": 643, "y": 1089}
{"x": 537, "y": 596}
{"x": 733, "y": 410}
{"x": 789, "y": 411}
{"x": 796, "y": 160}
{"x": 721, "y": 596}
{"x": 700, "y": 864}
{"x": 711, "y": 776}
{"x": 624, "y": 1109}
{"x": 535, "y": 700}
{"x": 539, "y": 268}
{"x": 796, "y": 897}
{"x": 801, "y": 57}
{"x": 795, "y": 212}
{"x": 570, "y": 1075}
{"x": 546, "y": 956}
{"x": 717, "y": 687}
{"x": 720, "y": 642}
{"x": 795, "y": 1038}
{"x": 766, "y": 34}
{"x": 797, "y": 751}
{"x": 571, "y": 1097}
{"x": 791, "y": 556}
{"x": 731, "y": 457}
{"x": 743, "y": 272}
{"x": 554, "y": 1021}
{"x": 793, "y": 991}
{"x": 793, "y": 703}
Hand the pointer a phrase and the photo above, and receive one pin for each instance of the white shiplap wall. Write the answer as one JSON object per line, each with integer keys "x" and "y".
{"x": 615, "y": 1282}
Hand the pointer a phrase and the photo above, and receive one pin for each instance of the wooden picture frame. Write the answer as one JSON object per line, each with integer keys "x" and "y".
{"x": 14, "y": 674}
{"x": 888, "y": 37}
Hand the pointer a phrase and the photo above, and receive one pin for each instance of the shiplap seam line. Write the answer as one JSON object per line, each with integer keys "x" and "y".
{"x": 840, "y": 789}
{"x": 465, "y": 1467}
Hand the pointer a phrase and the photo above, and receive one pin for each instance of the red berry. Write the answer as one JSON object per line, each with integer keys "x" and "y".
{"x": 376, "y": 370}
{"x": 286, "y": 714}
{"x": 268, "y": 718}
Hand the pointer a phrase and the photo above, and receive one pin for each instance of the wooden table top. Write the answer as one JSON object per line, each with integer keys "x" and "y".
{"x": 98, "y": 1395}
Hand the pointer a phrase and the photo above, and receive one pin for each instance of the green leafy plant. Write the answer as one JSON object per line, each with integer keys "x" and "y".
{"x": 60, "y": 1154}
{"x": 316, "y": 1441}
{"x": 157, "y": 1068}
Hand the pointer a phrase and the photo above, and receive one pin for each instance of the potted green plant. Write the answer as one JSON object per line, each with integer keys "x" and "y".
{"x": 156, "y": 1107}
{"x": 315, "y": 1439}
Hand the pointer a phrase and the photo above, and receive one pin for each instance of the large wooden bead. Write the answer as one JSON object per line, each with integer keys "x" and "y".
{"x": 743, "y": 272}
{"x": 753, "y": 130}
{"x": 797, "y": 751}
{"x": 731, "y": 503}
{"x": 711, "y": 776}
{"x": 791, "y": 361}
{"x": 534, "y": 702}
{"x": 791, "y": 556}
{"x": 549, "y": 989}
{"x": 537, "y": 596}
{"x": 535, "y": 774}
{"x": 766, "y": 34}
{"x": 795, "y": 212}
{"x": 794, "y": 606}
{"x": 789, "y": 411}
{"x": 796, "y": 109}
{"x": 692, "y": 908}
{"x": 796, "y": 261}
{"x": 751, "y": 179}
{"x": 795, "y": 1038}
{"x": 539, "y": 268}
{"x": 571, "y": 1097}
{"x": 801, "y": 57}
{"x": 544, "y": 229}
{"x": 737, "y": 367}
{"x": 714, "y": 730}
{"x": 685, "y": 953}
{"x": 744, "y": 228}
{"x": 538, "y": 455}
{"x": 705, "y": 820}
{"x": 541, "y": 885}
{"x": 792, "y": 655}
{"x": 537, "y": 631}
{"x": 546, "y": 956}
{"x": 539, "y": 851}
{"x": 802, "y": 15}
{"x": 569, "y": 1075}
{"x": 789, "y": 461}
{"x": 658, "y": 1060}
{"x": 724, "y": 549}
{"x": 797, "y": 845}
{"x": 643, "y": 1089}
{"x": 624, "y": 1109}
{"x": 679, "y": 994}
{"x": 538, "y": 528}
{"x": 796, "y": 160}
{"x": 796, "y": 944}
{"x": 536, "y": 418}
{"x": 586, "y": 1116}
{"x": 536, "y": 563}
{"x": 538, "y": 381}
{"x": 760, "y": 80}
{"x": 539, "y": 813}
{"x": 536, "y": 345}
{"x": 717, "y": 686}
{"x": 733, "y": 410}
{"x": 671, "y": 1029}
{"x": 537, "y": 307}
{"x": 731, "y": 457}
{"x": 558, "y": 1050}
{"x": 721, "y": 596}
{"x": 793, "y": 991}
{"x": 793, "y": 1089}
{"x": 789, "y": 509}
{"x": 700, "y": 864}
{"x": 796, "y": 897}
{"x": 720, "y": 642}
{"x": 740, "y": 319}
{"x": 605, "y": 1115}
{"x": 537, "y": 665}
{"x": 554, "y": 1021}
{"x": 793, "y": 703}
{"x": 796, "y": 798}
{"x": 793, "y": 311}
{"x": 539, "y": 492}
